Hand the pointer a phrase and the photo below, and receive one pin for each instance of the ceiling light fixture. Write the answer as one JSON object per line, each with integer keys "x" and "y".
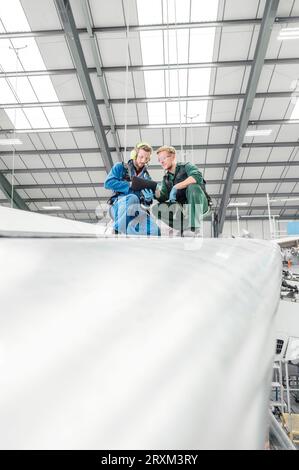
{"x": 288, "y": 33}
{"x": 258, "y": 132}
{"x": 52, "y": 208}
{"x": 10, "y": 142}
{"x": 237, "y": 204}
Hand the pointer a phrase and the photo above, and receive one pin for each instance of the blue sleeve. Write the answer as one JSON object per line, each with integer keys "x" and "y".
{"x": 114, "y": 180}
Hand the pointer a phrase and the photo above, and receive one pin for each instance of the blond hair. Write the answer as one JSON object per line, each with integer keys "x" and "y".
{"x": 166, "y": 148}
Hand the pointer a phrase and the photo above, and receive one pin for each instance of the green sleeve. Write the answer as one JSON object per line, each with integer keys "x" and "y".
{"x": 163, "y": 193}
{"x": 193, "y": 171}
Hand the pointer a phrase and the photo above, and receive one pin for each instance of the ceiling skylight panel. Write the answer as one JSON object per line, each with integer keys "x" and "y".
{"x": 199, "y": 81}
{"x": 36, "y": 117}
{"x": 176, "y": 112}
{"x": 196, "y": 111}
{"x": 154, "y": 83}
{"x": 149, "y": 12}
{"x": 29, "y": 54}
{"x": 6, "y": 95}
{"x": 12, "y": 16}
{"x": 156, "y": 113}
{"x": 43, "y": 88}
{"x": 202, "y": 44}
{"x": 176, "y": 82}
{"x": 56, "y": 116}
{"x": 18, "y": 118}
{"x": 176, "y": 11}
{"x": 8, "y": 58}
{"x": 23, "y": 89}
{"x": 151, "y": 47}
{"x": 295, "y": 112}
{"x": 202, "y": 10}
{"x": 176, "y": 46}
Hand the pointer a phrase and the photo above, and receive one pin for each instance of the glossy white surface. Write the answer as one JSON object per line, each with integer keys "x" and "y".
{"x": 136, "y": 343}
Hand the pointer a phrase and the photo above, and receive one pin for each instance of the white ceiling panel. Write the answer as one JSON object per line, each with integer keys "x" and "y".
{"x": 21, "y": 178}
{"x": 97, "y": 176}
{"x": 43, "y": 178}
{"x": 273, "y": 171}
{"x": 67, "y": 87}
{"x": 266, "y": 187}
{"x": 229, "y": 79}
{"x": 35, "y": 14}
{"x": 125, "y": 113}
{"x": 86, "y": 192}
{"x": 112, "y": 14}
{"x": 85, "y": 139}
{"x": 251, "y": 172}
{"x": 213, "y": 188}
{"x": 224, "y": 110}
{"x": 235, "y": 42}
{"x": 113, "y": 48}
{"x": 33, "y": 161}
{"x": 213, "y": 173}
{"x": 289, "y": 132}
{"x": 220, "y": 135}
{"x": 119, "y": 85}
{"x": 274, "y": 108}
{"x": 63, "y": 140}
{"x": 77, "y": 115}
{"x": 281, "y": 154}
{"x": 244, "y": 188}
{"x": 81, "y": 177}
{"x": 235, "y": 9}
{"x": 92, "y": 159}
{"x": 218, "y": 156}
{"x": 73, "y": 159}
{"x": 49, "y": 46}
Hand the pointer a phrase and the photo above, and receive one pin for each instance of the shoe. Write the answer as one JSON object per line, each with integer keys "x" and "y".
{"x": 192, "y": 233}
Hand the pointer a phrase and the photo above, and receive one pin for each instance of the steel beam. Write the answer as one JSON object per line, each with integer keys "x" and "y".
{"x": 11, "y": 194}
{"x": 82, "y": 169}
{"x": 99, "y": 66}
{"x": 264, "y": 122}
{"x": 76, "y": 150}
{"x": 150, "y": 27}
{"x": 210, "y": 182}
{"x": 157, "y": 99}
{"x": 73, "y": 41}
{"x": 151, "y": 67}
{"x": 256, "y": 69}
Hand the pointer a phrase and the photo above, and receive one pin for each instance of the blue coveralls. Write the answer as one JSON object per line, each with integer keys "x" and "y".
{"x": 126, "y": 211}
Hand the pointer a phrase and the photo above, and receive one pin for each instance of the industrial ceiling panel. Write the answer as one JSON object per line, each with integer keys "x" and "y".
{"x": 43, "y": 178}
{"x": 48, "y": 48}
{"x": 138, "y": 78}
{"x": 220, "y": 135}
{"x": 266, "y": 187}
{"x": 273, "y": 172}
{"x": 229, "y": 79}
{"x": 286, "y": 187}
{"x": 92, "y": 159}
{"x": 104, "y": 115}
{"x": 81, "y": 177}
{"x": 120, "y": 85}
{"x": 224, "y": 110}
{"x": 77, "y": 115}
{"x": 249, "y": 172}
{"x": 109, "y": 13}
{"x": 283, "y": 77}
{"x": 33, "y": 161}
{"x": 274, "y": 108}
{"x": 125, "y": 114}
{"x": 35, "y": 14}
{"x": 234, "y": 9}
{"x": 21, "y": 178}
{"x": 46, "y": 141}
{"x": 67, "y": 87}
{"x": 31, "y": 193}
{"x": 213, "y": 173}
{"x": 244, "y": 188}
{"x": 265, "y": 78}
{"x": 53, "y": 193}
{"x": 236, "y": 41}
{"x": 72, "y": 160}
{"x": 289, "y": 132}
{"x": 288, "y": 8}
{"x": 256, "y": 109}
{"x": 9, "y": 162}
{"x": 63, "y": 140}
{"x": 85, "y": 139}
{"x": 213, "y": 189}
{"x": 271, "y": 130}
{"x": 217, "y": 156}
{"x": 142, "y": 112}
{"x": 292, "y": 172}
{"x": 86, "y": 192}
{"x": 97, "y": 176}
{"x": 113, "y": 48}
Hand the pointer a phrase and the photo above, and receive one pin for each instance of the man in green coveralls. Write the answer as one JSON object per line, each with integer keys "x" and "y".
{"x": 183, "y": 187}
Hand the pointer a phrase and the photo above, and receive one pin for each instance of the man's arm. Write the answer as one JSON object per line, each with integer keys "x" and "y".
{"x": 114, "y": 180}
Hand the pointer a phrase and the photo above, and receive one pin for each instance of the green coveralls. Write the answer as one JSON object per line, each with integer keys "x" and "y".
{"x": 175, "y": 215}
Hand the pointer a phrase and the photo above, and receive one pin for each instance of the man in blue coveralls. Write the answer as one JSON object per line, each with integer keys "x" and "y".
{"x": 126, "y": 210}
